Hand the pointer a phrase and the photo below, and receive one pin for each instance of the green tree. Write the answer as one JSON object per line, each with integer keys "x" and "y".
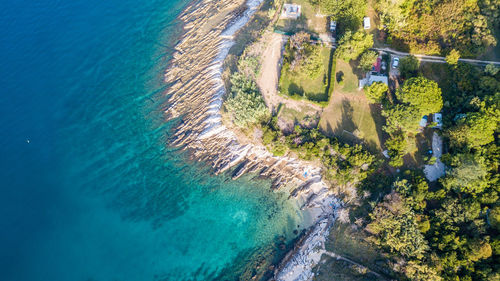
{"x": 367, "y": 59}
{"x": 348, "y": 13}
{"x": 422, "y": 93}
{"x": 479, "y": 250}
{"x": 394, "y": 226}
{"x": 418, "y": 271}
{"x": 452, "y": 57}
{"x": 351, "y": 45}
{"x": 408, "y": 66}
{"x": 494, "y": 217}
{"x": 376, "y": 92}
{"x": 491, "y": 69}
{"x": 397, "y": 146}
{"x": 468, "y": 174}
{"x": 402, "y": 117}
{"x": 245, "y": 104}
{"x": 426, "y": 26}
{"x": 478, "y": 128}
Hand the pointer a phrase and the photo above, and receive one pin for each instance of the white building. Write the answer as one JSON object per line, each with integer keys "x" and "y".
{"x": 291, "y": 11}
{"x": 371, "y": 78}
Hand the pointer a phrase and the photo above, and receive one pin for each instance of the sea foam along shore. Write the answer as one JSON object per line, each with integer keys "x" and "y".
{"x": 195, "y": 95}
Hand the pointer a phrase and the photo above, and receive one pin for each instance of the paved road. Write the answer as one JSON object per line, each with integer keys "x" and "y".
{"x": 436, "y": 59}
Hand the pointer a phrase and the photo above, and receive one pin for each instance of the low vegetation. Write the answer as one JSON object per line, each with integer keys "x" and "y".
{"x": 345, "y": 165}
{"x": 438, "y": 27}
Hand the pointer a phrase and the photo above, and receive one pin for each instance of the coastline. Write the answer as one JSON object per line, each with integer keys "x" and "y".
{"x": 195, "y": 97}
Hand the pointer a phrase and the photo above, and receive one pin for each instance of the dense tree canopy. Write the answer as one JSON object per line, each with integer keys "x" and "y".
{"x": 245, "y": 104}
{"x": 453, "y": 57}
{"x": 402, "y": 117}
{"x": 423, "y": 94}
{"x": 348, "y": 13}
{"x": 433, "y": 27}
{"x": 478, "y": 128}
{"x": 394, "y": 226}
{"x": 408, "y": 66}
{"x": 376, "y": 92}
{"x": 351, "y": 45}
{"x": 468, "y": 174}
{"x": 367, "y": 60}
{"x": 397, "y": 146}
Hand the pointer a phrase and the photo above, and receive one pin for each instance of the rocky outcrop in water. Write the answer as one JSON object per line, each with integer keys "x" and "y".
{"x": 196, "y": 95}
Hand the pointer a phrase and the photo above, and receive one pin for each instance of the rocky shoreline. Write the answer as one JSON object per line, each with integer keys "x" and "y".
{"x": 195, "y": 96}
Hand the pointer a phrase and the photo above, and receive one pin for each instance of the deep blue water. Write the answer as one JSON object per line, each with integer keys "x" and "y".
{"x": 90, "y": 189}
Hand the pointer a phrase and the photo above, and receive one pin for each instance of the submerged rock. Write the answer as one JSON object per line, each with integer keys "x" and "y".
{"x": 196, "y": 95}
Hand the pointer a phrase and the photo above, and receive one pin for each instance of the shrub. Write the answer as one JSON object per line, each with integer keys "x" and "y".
{"x": 367, "y": 59}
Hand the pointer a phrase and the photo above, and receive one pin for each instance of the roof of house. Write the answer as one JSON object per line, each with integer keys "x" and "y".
{"x": 378, "y": 78}
{"x": 372, "y": 78}
{"x": 291, "y": 11}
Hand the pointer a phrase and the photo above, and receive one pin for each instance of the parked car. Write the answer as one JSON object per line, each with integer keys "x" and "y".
{"x": 395, "y": 63}
{"x": 366, "y": 23}
{"x": 333, "y": 26}
{"x": 438, "y": 119}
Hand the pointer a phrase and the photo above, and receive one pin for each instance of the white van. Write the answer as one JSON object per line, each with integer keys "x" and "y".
{"x": 366, "y": 23}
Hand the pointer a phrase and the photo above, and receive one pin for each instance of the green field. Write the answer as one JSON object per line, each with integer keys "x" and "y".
{"x": 300, "y": 86}
{"x": 349, "y": 115}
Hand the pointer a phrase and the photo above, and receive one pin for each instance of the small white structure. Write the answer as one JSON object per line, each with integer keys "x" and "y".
{"x": 366, "y": 23}
{"x": 291, "y": 11}
{"x": 333, "y": 26}
{"x": 438, "y": 119}
{"x": 372, "y": 77}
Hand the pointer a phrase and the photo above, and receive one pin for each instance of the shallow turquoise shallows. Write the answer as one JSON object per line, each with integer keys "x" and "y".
{"x": 90, "y": 189}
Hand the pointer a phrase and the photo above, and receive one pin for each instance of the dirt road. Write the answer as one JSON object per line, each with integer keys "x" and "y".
{"x": 269, "y": 75}
{"x": 436, "y": 59}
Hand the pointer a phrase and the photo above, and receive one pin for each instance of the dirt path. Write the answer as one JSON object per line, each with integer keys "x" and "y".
{"x": 339, "y": 257}
{"x": 269, "y": 75}
{"x": 437, "y": 59}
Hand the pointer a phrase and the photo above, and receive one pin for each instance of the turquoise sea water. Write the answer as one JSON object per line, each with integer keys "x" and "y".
{"x": 90, "y": 189}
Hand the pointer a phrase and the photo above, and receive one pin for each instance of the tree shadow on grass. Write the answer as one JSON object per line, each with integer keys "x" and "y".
{"x": 346, "y": 124}
{"x": 295, "y": 90}
{"x": 376, "y": 113}
{"x": 360, "y": 74}
{"x": 329, "y": 75}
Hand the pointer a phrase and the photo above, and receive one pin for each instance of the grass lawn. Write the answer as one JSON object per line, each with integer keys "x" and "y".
{"x": 306, "y": 116}
{"x": 300, "y": 86}
{"x": 349, "y": 115}
{"x": 307, "y": 21}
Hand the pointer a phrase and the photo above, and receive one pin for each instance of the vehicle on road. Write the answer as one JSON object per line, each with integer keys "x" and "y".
{"x": 395, "y": 63}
